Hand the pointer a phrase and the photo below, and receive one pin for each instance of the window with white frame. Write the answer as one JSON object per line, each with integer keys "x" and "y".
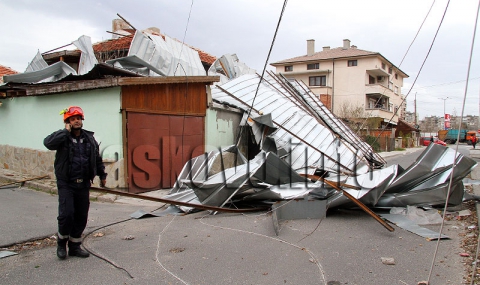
{"x": 288, "y": 68}
{"x": 311, "y": 66}
{"x": 317, "y": 80}
{"x": 352, "y": 62}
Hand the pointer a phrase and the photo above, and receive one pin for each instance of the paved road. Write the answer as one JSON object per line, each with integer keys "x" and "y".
{"x": 347, "y": 247}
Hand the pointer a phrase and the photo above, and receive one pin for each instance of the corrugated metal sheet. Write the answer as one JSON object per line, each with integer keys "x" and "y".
{"x": 50, "y": 73}
{"x": 87, "y": 57}
{"x": 161, "y": 57}
{"x": 229, "y": 67}
{"x": 310, "y": 101}
{"x": 308, "y": 143}
{"x": 38, "y": 63}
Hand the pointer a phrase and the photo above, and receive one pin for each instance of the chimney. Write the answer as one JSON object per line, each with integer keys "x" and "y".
{"x": 118, "y": 27}
{"x": 354, "y": 46}
{"x": 119, "y": 24}
{"x": 310, "y": 47}
{"x": 154, "y": 30}
{"x": 326, "y": 48}
{"x": 346, "y": 43}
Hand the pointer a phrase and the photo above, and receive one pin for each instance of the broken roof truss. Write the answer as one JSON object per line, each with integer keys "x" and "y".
{"x": 302, "y": 144}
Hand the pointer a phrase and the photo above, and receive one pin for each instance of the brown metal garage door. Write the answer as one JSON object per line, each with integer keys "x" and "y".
{"x": 159, "y": 146}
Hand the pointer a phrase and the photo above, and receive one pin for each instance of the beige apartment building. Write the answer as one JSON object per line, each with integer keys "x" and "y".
{"x": 351, "y": 82}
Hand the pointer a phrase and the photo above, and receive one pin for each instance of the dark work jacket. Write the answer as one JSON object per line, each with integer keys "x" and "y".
{"x": 61, "y": 142}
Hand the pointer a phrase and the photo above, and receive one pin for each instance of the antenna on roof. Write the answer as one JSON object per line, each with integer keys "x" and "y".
{"x": 126, "y": 21}
{"x": 56, "y": 49}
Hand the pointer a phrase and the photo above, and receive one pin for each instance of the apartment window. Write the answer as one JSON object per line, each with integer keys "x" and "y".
{"x": 383, "y": 66}
{"x": 396, "y": 90}
{"x": 317, "y": 80}
{"x": 289, "y": 68}
{"x": 352, "y": 62}
{"x": 389, "y": 70}
{"x": 396, "y": 76}
{"x": 313, "y": 66}
{"x": 371, "y": 79}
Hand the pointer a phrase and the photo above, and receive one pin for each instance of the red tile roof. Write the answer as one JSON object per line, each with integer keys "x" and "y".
{"x": 113, "y": 44}
{"x": 334, "y": 53}
{"x": 330, "y": 54}
{"x": 6, "y": 71}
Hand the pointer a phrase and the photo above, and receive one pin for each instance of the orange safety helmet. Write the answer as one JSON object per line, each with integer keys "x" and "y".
{"x": 72, "y": 111}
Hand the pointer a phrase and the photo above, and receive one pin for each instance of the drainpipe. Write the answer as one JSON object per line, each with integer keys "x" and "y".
{"x": 333, "y": 83}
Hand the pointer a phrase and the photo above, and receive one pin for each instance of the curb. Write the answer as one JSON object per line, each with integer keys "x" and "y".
{"x": 48, "y": 185}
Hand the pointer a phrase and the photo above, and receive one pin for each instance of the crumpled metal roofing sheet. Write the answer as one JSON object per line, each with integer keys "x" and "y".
{"x": 51, "y": 73}
{"x": 186, "y": 61}
{"x": 87, "y": 57}
{"x": 167, "y": 57}
{"x": 38, "y": 63}
{"x": 228, "y": 67}
{"x": 153, "y": 50}
{"x": 373, "y": 185}
{"x": 311, "y": 144}
{"x": 311, "y": 103}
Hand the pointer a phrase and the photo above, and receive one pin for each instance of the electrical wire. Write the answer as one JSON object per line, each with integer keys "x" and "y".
{"x": 312, "y": 255}
{"x": 360, "y": 127}
{"x": 456, "y": 149}
{"x": 421, "y": 67}
{"x": 101, "y": 257}
{"x": 426, "y": 16}
{"x": 105, "y": 226}
{"x": 183, "y": 40}
{"x": 158, "y": 250}
{"x": 268, "y": 57}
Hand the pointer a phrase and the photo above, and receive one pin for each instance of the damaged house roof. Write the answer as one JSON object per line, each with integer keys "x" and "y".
{"x": 145, "y": 54}
{"x": 112, "y": 49}
{"x": 306, "y": 153}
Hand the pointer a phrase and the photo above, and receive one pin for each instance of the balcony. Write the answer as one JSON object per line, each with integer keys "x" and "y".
{"x": 379, "y": 113}
{"x": 379, "y": 89}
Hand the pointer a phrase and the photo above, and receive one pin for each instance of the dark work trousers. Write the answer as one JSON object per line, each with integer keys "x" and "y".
{"x": 73, "y": 205}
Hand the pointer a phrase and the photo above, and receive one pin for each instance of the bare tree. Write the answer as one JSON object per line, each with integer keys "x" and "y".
{"x": 356, "y": 117}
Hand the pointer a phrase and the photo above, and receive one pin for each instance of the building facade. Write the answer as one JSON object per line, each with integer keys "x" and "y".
{"x": 351, "y": 82}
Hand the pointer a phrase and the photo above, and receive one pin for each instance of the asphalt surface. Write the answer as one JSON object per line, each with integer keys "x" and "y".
{"x": 346, "y": 247}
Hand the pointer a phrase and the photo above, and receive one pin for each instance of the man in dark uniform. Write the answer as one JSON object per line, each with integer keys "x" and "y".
{"x": 77, "y": 162}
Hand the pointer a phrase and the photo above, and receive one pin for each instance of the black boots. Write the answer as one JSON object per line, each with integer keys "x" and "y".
{"x": 62, "y": 248}
{"x": 74, "y": 249}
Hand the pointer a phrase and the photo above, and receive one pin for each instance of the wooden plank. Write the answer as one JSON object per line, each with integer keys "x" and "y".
{"x": 167, "y": 80}
{"x": 62, "y": 87}
{"x": 172, "y": 99}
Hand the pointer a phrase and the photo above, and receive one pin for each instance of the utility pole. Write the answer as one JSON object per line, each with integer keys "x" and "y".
{"x": 415, "y": 109}
{"x": 444, "y": 99}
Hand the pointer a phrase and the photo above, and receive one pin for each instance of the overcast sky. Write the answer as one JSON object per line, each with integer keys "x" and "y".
{"x": 247, "y": 27}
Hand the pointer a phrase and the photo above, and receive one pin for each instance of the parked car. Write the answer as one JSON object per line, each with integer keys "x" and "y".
{"x": 425, "y": 141}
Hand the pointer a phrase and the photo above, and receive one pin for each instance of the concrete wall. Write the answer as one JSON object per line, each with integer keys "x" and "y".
{"x": 221, "y": 126}
{"x": 26, "y": 121}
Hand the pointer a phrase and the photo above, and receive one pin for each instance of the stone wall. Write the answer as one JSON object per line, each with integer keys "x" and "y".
{"x": 27, "y": 161}
{"x": 32, "y": 162}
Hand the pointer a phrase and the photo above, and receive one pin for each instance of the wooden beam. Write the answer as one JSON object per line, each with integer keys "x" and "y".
{"x": 61, "y": 87}
{"x": 167, "y": 80}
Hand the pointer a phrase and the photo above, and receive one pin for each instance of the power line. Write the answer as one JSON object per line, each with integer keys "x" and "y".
{"x": 268, "y": 56}
{"x": 426, "y": 16}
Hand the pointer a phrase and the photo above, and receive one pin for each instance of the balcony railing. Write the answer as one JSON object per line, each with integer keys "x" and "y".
{"x": 378, "y": 89}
